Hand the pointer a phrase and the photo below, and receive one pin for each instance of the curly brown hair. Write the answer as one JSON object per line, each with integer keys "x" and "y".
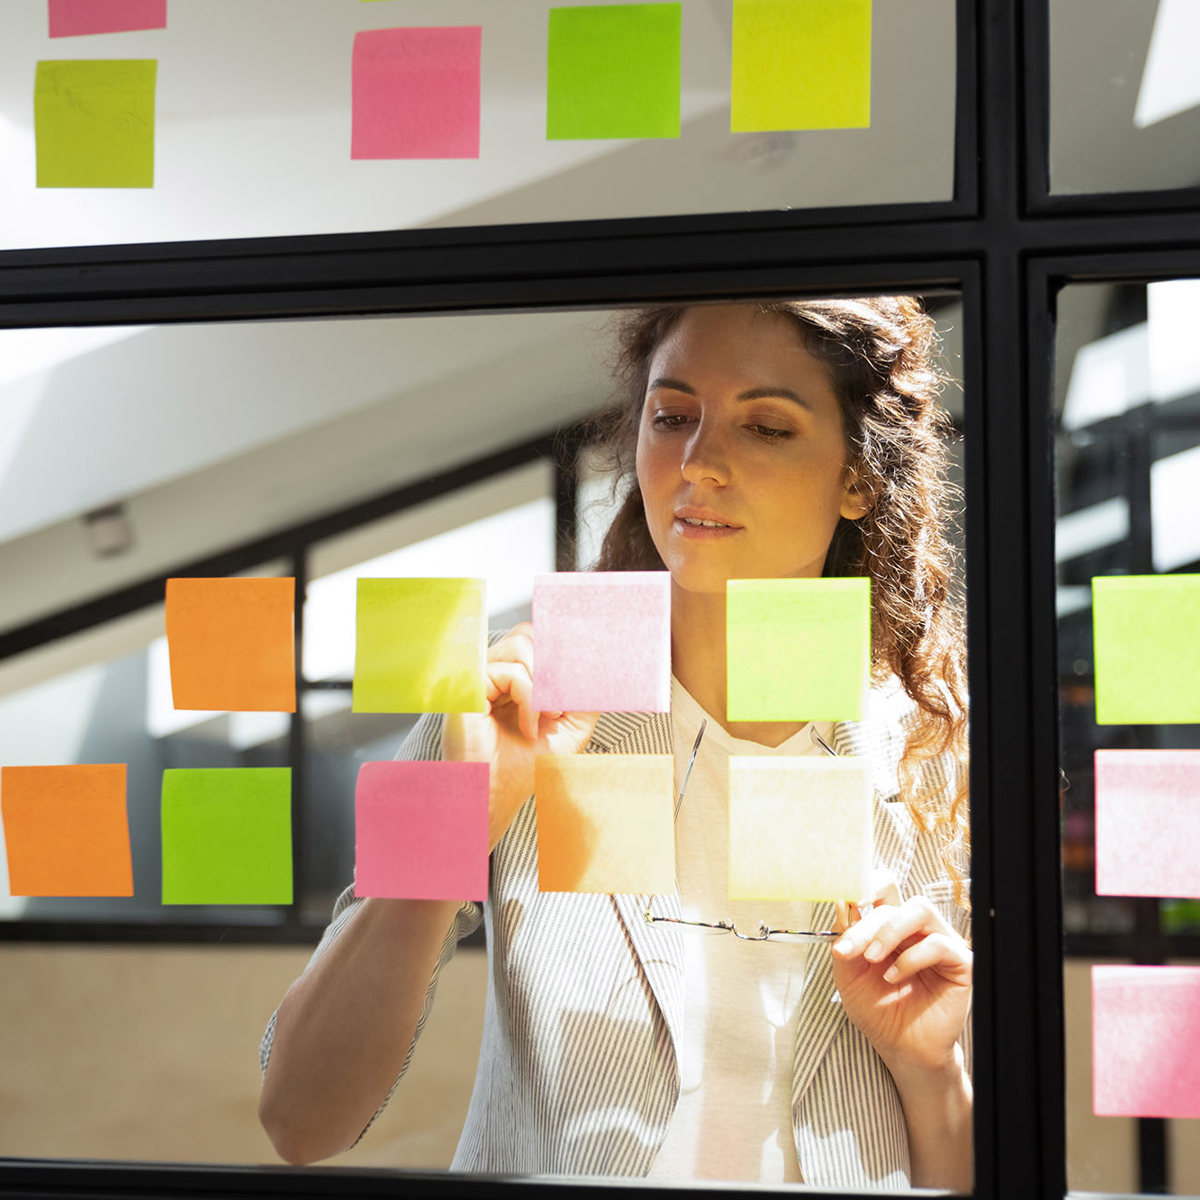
{"x": 880, "y": 352}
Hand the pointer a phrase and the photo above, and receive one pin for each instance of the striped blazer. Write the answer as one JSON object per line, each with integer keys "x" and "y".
{"x": 577, "y": 1072}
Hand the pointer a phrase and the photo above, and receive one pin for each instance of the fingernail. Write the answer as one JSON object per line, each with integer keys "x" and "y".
{"x": 873, "y": 951}
{"x": 890, "y": 974}
{"x": 844, "y": 946}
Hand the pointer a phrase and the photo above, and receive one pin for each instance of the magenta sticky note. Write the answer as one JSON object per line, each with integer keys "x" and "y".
{"x": 421, "y": 830}
{"x": 69, "y": 18}
{"x": 1146, "y": 1041}
{"x": 415, "y": 93}
{"x": 1148, "y": 823}
{"x": 602, "y": 641}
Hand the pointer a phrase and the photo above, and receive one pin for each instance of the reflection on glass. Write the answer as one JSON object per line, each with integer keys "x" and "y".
{"x": 1124, "y": 97}
{"x": 1128, "y": 408}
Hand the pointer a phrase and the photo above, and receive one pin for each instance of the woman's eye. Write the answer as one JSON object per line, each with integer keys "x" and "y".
{"x": 770, "y": 432}
{"x": 670, "y": 420}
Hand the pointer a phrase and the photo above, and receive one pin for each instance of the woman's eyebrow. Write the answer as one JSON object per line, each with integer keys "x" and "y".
{"x": 758, "y": 393}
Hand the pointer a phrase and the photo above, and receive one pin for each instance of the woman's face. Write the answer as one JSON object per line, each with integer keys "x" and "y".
{"x": 741, "y": 456}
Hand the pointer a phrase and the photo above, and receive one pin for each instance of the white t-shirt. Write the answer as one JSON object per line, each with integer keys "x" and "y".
{"x": 734, "y": 1117}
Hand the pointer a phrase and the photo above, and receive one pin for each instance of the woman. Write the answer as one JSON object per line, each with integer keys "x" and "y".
{"x": 783, "y": 440}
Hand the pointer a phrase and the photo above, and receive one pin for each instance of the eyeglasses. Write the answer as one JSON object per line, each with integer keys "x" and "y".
{"x": 764, "y": 932}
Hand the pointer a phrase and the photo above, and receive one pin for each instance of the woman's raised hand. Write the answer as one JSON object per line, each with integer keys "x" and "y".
{"x": 904, "y": 976}
{"x": 511, "y": 732}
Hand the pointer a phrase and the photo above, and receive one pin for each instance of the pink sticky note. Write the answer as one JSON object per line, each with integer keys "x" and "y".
{"x": 602, "y": 641}
{"x": 1148, "y": 823}
{"x": 68, "y": 18}
{"x": 1146, "y": 1041}
{"x": 421, "y": 830}
{"x": 415, "y": 93}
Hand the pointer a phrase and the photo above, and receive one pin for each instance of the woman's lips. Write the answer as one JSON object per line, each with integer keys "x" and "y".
{"x": 705, "y": 533}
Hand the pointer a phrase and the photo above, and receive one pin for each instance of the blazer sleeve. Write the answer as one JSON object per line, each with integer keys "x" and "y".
{"x": 424, "y": 743}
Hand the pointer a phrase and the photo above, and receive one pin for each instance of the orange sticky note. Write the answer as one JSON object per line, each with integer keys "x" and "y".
{"x": 231, "y": 644}
{"x": 67, "y": 830}
{"x": 606, "y": 822}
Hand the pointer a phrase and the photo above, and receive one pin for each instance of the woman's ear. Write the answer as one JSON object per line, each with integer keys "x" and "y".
{"x": 857, "y": 497}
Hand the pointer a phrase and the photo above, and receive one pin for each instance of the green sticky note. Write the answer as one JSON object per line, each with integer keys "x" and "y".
{"x": 421, "y": 646}
{"x": 94, "y": 121}
{"x": 801, "y": 64}
{"x": 613, "y": 71}
{"x": 227, "y": 836}
{"x": 1146, "y": 635}
{"x": 798, "y": 649}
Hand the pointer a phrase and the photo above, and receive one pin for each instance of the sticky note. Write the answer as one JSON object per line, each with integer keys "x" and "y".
{"x": 415, "y": 93}
{"x": 606, "y": 822}
{"x": 797, "y": 649}
{"x": 602, "y": 641}
{"x": 613, "y": 71}
{"x": 799, "y": 828}
{"x": 421, "y": 646}
{"x": 69, "y": 18}
{"x": 227, "y": 835}
{"x": 801, "y": 64}
{"x": 66, "y": 830}
{"x": 1148, "y": 823}
{"x": 1146, "y": 631}
{"x": 231, "y": 644}
{"x": 421, "y": 830}
{"x": 94, "y": 123}
{"x": 1145, "y": 1041}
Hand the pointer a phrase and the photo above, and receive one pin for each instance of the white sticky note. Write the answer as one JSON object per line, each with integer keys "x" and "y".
{"x": 799, "y": 828}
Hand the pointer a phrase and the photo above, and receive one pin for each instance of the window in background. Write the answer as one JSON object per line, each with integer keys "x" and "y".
{"x": 1128, "y": 478}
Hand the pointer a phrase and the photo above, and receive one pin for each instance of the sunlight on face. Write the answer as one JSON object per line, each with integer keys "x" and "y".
{"x": 741, "y": 455}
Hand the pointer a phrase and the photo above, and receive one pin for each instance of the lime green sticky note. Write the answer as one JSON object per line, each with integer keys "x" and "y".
{"x": 613, "y": 71}
{"x": 227, "y": 836}
{"x": 798, "y": 649}
{"x": 94, "y": 121}
{"x": 801, "y": 64}
{"x": 1146, "y": 635}
{"x": 422, "y": 646}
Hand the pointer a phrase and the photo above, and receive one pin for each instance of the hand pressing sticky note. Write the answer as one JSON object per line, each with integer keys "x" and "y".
{"x": 801, "y": 64}
{"x": 798, "y": 649}
{"x": 66, "y": 830}
{"x": 799, "y": 828}
{"x": 415, "y": 93}
{"x": 231, "y": 644}
{"x": 602, "y": 641}
{"x": 94, "y": 123}
{"x": 606, "y": 822}
{"x": 1145, "y": 1041}
{"x": 613, "y": 71}
{"x": 421, "y": 646}
{"x": 71, "y": 18}
{"x": 1146, "y": 631}
{"x": 421, "y": 830}
{"x": 1148, "y": 823}
{"x": 227, "y": 836}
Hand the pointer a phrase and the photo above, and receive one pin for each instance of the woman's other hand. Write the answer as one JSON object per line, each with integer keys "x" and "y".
{"x": 511, "y": 733}
{"x": 904, "y": 976}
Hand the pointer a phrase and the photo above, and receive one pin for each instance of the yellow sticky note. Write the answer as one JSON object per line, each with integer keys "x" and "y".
{"x": 801, "y": 64}
{"x": 606, "y": 822}
{"x": 94, "y": 122}
{"x": 421, "y": 646}
{"x": 799, "y": 828}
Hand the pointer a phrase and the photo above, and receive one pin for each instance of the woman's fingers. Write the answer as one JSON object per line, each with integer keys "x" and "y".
{"x": 939, "y": 950}
{"x": 512, "y": 679}
{"x": 883, "y": 929}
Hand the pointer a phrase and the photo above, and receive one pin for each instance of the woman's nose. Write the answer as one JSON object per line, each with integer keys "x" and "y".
{"x": 705, "y": 456}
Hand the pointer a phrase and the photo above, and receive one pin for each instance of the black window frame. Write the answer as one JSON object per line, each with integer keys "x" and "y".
{"x": 1007, "y": 245}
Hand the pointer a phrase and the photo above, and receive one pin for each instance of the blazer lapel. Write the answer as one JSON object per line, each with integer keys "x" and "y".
{"x": 658, "y": 946}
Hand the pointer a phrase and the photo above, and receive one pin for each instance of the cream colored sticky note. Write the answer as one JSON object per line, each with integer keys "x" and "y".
{"x": 606, "y": 822}
{"x": 799, "y": 828}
